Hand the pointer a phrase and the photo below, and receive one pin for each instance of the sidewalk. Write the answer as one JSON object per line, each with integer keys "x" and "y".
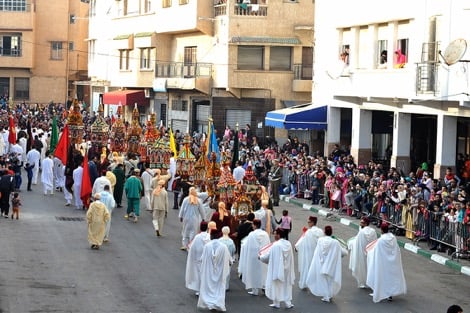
{"x": 462, "y": 265}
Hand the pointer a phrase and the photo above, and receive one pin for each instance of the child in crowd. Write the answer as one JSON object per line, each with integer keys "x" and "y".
{"x": 285, "y": 222}
{"x": 15, "y": 203}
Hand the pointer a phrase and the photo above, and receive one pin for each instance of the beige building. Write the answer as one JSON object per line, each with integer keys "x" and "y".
{"x": 195, "y": 59}
{"x": 43, "y": 50}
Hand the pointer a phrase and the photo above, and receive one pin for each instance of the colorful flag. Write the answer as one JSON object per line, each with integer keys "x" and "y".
{"x": 61, "y": 150}
{"x": 173, "y": 144}
{"x": 213, "y": 146}
{"x": 12, "y": 132}
{"x": 85, "y": 192}
{"x": 54, "y": 135}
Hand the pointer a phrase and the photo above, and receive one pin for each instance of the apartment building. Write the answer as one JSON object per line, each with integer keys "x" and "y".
{"x": 395, "y": 78}
{"x": 194, "y": 59}
{"x": 43, "y": 50}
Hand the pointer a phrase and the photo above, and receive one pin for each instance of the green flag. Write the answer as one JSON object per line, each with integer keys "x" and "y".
{"x": 54, "y": 135}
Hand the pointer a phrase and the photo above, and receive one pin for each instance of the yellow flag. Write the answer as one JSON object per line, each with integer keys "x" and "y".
{"x": 172, "y": 143}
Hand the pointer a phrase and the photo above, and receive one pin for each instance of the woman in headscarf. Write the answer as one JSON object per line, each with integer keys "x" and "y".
{"x": 191, "y": 214}
{"x": 221, "y": 217}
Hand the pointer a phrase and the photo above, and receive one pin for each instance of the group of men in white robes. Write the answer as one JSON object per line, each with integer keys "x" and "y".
{"x": 375, "y": 263}
{"x": 208, "y": 267}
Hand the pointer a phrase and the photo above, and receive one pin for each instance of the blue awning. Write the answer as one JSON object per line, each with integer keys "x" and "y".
{"x": 304, "y": 116}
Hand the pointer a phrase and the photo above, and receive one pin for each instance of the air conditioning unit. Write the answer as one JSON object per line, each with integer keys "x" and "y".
{"x": 147, "y": 92}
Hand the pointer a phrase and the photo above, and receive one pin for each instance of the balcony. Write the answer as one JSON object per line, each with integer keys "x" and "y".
{"x": 427, "y": 81}
{"x": 243, "y": 9}
{"x": 10, "y": 52}
{"x": 17, "y": 18}
{"x": 302, "y": 78}
{"x": 177, "y": 75}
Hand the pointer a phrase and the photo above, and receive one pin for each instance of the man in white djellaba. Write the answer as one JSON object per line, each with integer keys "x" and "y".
{"x": 33, "y": 157}
{"x": 193, "y": 261}
{"x": 47, "y": 174}
{"x": 305, "y": 248}
{"x": 191, "y": 214}
{"x": 253, "y": 271}
{"x": 215, "y": 266}
{"x": 324, "y": 275}
{"x": 281, "y": 275}
{"x": 384, "y": 267}
{"x": 358, "y": 257}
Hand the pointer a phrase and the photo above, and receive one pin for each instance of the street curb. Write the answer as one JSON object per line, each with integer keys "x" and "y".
{"x": 437, "y": 258}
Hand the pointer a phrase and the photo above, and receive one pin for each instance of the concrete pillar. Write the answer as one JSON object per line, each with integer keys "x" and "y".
{"x": 361, "y": 137}
{"x": 333, "y": 134}
{"x": 446, "y": 140}
{"x": 401, "y": 142}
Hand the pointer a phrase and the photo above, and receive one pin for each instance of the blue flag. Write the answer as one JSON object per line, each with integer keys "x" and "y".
{"x": 213, "y": 145}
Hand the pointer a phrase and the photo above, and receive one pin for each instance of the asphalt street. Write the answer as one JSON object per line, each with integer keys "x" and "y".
{"x": 46, "y": 265}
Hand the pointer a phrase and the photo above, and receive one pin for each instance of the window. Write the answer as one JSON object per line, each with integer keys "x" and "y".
{"x": 145, "y": 58}
{"x": 21, "y": 88}
{"x": 91, "y": 50}
{"x": 166, "y": 3}
{"x": 183, "y": 2}
{"x": 250, "y": 58}
{"x": 12, "y": 5}
{"x": 93, "y": 8}
{"x": 382, "y": 54}
{"x": 147, "y": 6}
{"x": 280, "y": 58}
{"x": 307, "y": 63}
{"x": 401, "y": 53}
{"x": 131, "y": 7}
{"x": 4, "y": 86}
{"x": 71, "y": 46}
{"x": 56, "y": 50}
{"x": 124, "y": 59}
{"x": 179, "y": 105}
{"x": 190, "y": 61}
{"x": 10, "y": 45}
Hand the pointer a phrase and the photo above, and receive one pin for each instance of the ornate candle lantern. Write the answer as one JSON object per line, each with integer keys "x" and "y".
{"x": 118, "y": 133}
{"x": 160, "y": 154}
{"x": 150, "y": 137}
{"x": 185, "y": 161}
{"x": 99, "y": 131}
{"x": 75, "y": 123}
{"x": 226, "y": 185}
{"x": 212, "y": 176}
{"x": 201, "y": 167}
{"x": 134, "y": 133}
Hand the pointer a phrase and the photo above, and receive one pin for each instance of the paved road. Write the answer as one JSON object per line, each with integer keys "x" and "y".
{"x": 46, "y": 265}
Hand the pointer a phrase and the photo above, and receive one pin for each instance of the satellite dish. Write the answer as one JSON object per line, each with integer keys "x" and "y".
{"x": 455, "y": 51}
{"x": 337, "y": 70}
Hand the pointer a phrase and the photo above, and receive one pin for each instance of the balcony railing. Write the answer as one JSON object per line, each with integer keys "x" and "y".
{"x": 15, "y": 7}
{"x": 10, "y": 52}
{"x": 220, "y": 8}
{"x": 251, "y": 9}
{"x": 303, "y": 72}
{"x": 427, "y": 81}
{"x": 179, "y": 69}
